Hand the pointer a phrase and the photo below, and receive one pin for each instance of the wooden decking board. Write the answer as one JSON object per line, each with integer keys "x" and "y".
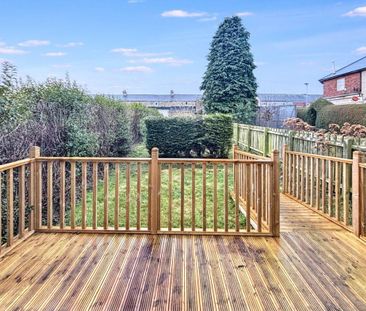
{"x": 41, "y": 287}
{"x": 343, "y": 297}
{"x": 314, "y": 265}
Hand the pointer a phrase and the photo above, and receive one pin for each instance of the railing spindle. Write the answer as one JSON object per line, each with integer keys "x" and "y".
{"x": 170, "y": 194}
{"x": 138, "y": 203}
{"x": 62, "y": 194}
{"x": 248, "y": 181}
{"x": 95, "y": 198}
{"x": 128, "y": 189}
{"x": 116, "y": 197}
{"x": 106, "y": 194}
{"x": 182, "y": 197}
{"x": 10, "y": 206}
{"x": 83, "y": 194}
{"x": 21, "y": 201}
{"x": 204, "y": 212}
{"x": 49, "y": 194}
{"x": 73, "y": 193}
{"x": 193, "y": 220}
{"x": 226, "y": 198}
{"x": 236, "y": 185}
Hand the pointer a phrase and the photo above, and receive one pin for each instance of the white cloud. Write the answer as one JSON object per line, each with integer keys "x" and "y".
{"x": 130, "y": 52}
{"x": 8, "y": 50}
{"x": 143, "y": 69}
{"x": 361, "y": 50}
{"x": 125, "y": 51}
{"x": 71, "y": 44}
{"x": 99, "y": 69}
{"x": 244, "y": 14}
{"x": 360, "y": 11}
{"x": 167, "y": 60}
{"x": 61, "y": 66}
{"x": 55, "y": 54}
{"x": 183, "y": 14}
{"x": 33, "y": 43}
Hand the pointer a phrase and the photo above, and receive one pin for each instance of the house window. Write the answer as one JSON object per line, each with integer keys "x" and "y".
{"x": 341, "y": 84}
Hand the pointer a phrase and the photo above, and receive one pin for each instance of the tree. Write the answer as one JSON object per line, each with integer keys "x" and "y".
{"x": 229, "y": 83}
{"x": 8, "y": 77}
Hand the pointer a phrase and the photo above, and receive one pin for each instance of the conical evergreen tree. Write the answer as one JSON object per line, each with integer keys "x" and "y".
{"x": 229, "y": 84}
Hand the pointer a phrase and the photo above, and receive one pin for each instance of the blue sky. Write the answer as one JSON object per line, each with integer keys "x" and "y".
{"x": 153, "y": 46}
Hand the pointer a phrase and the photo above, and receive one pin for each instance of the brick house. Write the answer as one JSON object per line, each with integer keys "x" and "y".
{"x": 346, "y": 85}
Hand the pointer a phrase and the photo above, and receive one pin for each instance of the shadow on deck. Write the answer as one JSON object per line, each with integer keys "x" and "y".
{"x": 314, "y": 265}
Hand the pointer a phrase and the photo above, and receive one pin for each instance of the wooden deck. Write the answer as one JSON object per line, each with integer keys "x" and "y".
{"x": 314, "y": 265}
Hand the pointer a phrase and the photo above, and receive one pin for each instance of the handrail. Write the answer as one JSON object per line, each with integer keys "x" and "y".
{"x": 318, "y": 156}
{"x": 15, "y": 164}
{"x": 94, "y": 159}
{"x": 228, "y": 161}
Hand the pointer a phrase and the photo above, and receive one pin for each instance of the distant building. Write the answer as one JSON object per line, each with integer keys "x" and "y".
{"x": 185, "y": 104}
{"x": 346, "y": 85}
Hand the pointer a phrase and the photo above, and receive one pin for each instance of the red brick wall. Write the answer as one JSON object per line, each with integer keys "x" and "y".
{"x": 352, "y": 81}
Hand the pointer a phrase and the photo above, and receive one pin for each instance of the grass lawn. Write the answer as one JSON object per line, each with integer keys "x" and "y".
{"x": 164, "y": 203}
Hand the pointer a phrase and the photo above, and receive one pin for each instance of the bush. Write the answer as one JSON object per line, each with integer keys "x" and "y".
{"x": 314, "y": 109}
{"x": 340, "y": 114}
{"x": 209, "y": 136}
{"x": 218, "y": 133}
{"x": 301, "y": 113}
{"x": 319, "y": 104}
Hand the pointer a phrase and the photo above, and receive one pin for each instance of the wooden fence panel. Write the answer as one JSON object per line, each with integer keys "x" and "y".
{"x": 262, "y": 141}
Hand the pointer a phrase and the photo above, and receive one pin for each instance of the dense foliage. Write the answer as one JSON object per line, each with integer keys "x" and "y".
{"x": 209, "y": 136}
{"x": 61, "y": 118}
{"x": 340, "y": 114}
{"x": 309, "y": 114}
{"x": 229, "y": 83}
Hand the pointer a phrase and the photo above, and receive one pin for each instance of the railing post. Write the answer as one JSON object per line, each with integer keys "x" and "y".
{"x": 35, "y": 213}
{"x": 284, "y": 168}
{"x": 154, "y": 190}
{"x": 356, "y": 199}
{"x": 235, "y": 148}
{"x": 275, "y": 214}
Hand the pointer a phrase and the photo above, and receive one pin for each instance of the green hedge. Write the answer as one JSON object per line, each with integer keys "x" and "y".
{"x": 208, "y": 136}
{"x": 339, "y": 114}
{"x": 310, "y": 113}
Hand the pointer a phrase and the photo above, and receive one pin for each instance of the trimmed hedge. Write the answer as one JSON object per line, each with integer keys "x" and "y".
{"x": 310, "y": 113}
{"x": 339, "y": 114}
{"x": 208, "y": 136}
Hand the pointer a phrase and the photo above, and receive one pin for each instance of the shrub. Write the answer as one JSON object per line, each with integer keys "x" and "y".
{"x": 340, "y": 114}
{"x": 301, "y": 112}
{"x": 313, "y": 110}
{"x": 319, "y": 104}
{"x": 218, "y": 134}
{"x": 209, "y": 136}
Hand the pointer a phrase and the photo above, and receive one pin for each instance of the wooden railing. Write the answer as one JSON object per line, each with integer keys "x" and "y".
{"x": 322, "y": 183}
{"x": 16, "y": 202}
{"x": 359, "y": 194}
{"x": 245, "y": 204}
{"x": 238, "y": 196}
